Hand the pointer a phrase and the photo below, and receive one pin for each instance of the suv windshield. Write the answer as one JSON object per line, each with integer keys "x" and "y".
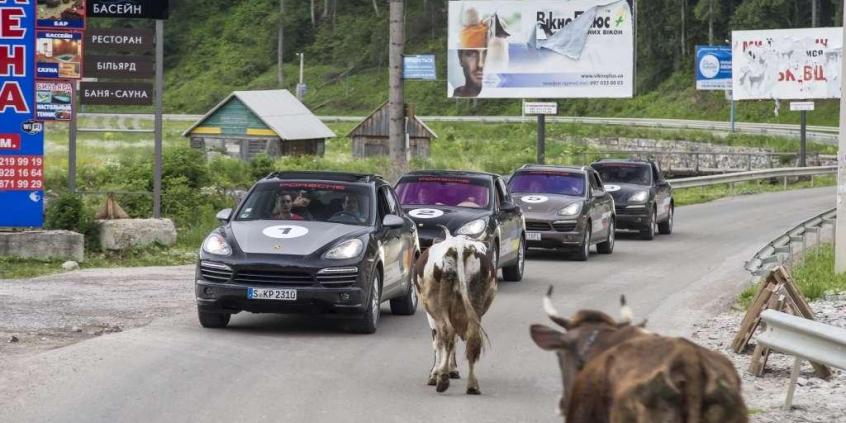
{"x": 336, "y": 202}
{"x": 444, "y": 191}
{"x": 626, "y": 173}
{"x": 548, "y": 182}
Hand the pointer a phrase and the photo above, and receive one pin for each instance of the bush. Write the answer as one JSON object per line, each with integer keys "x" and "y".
{"x": 185, "y": 162}
{"x": 68, "y": 212}
{"x": 261, "y": 166}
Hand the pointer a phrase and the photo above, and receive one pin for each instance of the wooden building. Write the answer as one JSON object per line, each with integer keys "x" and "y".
{"x": 247, "y": 123}
{"x": 370, "y": 137}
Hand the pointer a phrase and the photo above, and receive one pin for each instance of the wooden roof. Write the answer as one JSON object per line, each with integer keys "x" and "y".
{"x": 376, "y": 125}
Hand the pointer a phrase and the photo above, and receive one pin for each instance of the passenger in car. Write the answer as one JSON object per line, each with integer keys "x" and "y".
{"x": 283, "y": 208}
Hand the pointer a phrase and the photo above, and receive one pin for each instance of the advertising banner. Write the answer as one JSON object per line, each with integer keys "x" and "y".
{"x": 119, "y": 39}
{"x": 127, "y": 67}
{"x": 21, "y": 137}
{"x": 54, "y": 100}
{"x": 146, "y": 9}
{"x": 540, "y": 49}
{"x": 798, "y": 64}
{"x": 116, "y": 93}
{"x": 61, "y": 14}
{"x": 59, "y": 55}
{"x": 713, "y": 68}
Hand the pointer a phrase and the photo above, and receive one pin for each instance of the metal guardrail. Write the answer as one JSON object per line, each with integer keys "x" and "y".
{"x": 806, "y": 340}
{"x": 729, "y": 178}
{"x": 779, "y": 250}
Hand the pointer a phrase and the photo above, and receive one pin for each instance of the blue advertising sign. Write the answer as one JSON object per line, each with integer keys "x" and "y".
{"x": 419, "y": 67}
{"x": 21, "y": 137}
{"x": 713, "y": 67}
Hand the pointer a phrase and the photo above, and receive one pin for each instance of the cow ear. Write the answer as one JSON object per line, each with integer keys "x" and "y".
{"x": 548, "y": 338}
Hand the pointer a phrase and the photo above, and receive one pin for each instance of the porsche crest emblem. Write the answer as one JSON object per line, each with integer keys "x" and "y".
{"x": 277, "y": 247}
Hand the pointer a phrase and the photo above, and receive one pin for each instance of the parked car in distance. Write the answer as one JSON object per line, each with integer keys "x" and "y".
{"x": 565, "y": 207}
{"x": 643, "y": 198}
{"x": 475, "y": 204}
{"x": 336, "y": 244}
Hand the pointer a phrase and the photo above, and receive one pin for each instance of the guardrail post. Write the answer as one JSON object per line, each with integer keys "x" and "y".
{"x": 785, "y": 182}
{"x": 794, "y": 376}
{"x": 696, "y": 165}
{"x": 749, "y": 162}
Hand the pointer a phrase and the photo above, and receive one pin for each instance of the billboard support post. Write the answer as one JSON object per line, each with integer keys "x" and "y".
{"x": 157, "y": 100}
{"x": 840, "y": 224}
{"x": 733, "y": 113}
{"x": 541, "y": 138}
{"x": 803, "y": 124}
{"x": 72, "y": 153}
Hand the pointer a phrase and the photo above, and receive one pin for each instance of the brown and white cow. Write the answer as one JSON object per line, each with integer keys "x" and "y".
{"x": 456, "y": 283}
{"x": 617, "y": 372}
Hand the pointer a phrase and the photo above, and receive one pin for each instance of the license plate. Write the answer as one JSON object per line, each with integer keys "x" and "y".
{"x": 272, "y": 294}
{"x": 533, "y": 236}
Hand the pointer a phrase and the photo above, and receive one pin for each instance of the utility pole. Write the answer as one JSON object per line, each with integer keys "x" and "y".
{"x": 840, "y": 228}
{"x": 710, "y": 22}
{"x": 279, "y": 45}
{"x": 396, "y": 98}
{"x": 300, "y": 86}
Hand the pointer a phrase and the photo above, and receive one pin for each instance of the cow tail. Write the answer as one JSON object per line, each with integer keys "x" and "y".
{"x": 472, "y": 316}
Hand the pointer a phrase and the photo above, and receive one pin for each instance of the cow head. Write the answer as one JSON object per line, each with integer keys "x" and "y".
{"x": 586, "y": 334}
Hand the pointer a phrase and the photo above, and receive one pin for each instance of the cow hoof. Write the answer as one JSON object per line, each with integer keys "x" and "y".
{"x": 473, "y": 391}
{"x": 432, "y": 381}
{"x": 443, "y": 383}
{"x": 454, "y": 375}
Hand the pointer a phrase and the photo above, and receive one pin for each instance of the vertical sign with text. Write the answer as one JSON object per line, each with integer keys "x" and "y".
{"x": 21, "y": 137}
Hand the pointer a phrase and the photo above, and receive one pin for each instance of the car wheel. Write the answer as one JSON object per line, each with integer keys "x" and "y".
{"x": 405, "y": 305}
{"x": 514, "y": 273}
{"x": 370, "y": 319}
{"x": 584, "y": 248}
{"x": 213, "y": 320}
{"x": 607, "y": 247}
{"x": 649, "y": 233}
{"x": 666, "y": 227}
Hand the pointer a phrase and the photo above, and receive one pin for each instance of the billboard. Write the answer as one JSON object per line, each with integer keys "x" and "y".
{"x": 540, "y": 49}
{"x": 54, "y": 100}
{"x": 713, "y": 68}
{"x": 21, "y": 137}
{"x": 58, "y": 14}
{"x": 59, "y": 55}
{"x": 787, "y": 64}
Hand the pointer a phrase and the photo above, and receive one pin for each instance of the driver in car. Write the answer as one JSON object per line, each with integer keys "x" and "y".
{"x": 351, "y": 213}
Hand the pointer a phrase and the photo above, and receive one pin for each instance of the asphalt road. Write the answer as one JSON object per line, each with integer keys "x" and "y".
{"x": 266, "y": 368}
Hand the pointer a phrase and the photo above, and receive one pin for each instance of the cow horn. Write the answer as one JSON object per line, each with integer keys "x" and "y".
{"x": 625, "y": 311}
{"x": 552, "y": 313}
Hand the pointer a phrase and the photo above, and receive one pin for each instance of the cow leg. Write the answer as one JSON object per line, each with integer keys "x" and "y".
{"x": 453, "y": 366}
{"x": 474, "y": 351}
{"x": 436, "y": 347}
{"x": 448, "y": 340}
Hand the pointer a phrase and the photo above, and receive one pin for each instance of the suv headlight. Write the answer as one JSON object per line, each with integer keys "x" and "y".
{"x": 473, "y": 228}
{"x": 345, "y": 250}
{"x": 639, "y": 197}
{"x": 216, "y": 244}
{"x": 571, "y": 210}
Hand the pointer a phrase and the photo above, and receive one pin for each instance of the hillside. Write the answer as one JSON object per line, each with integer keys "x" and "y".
{"x": 216, "y": 46}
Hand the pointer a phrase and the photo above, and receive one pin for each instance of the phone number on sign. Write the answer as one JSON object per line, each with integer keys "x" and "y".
{"x": 20, "y": 161}
{"x": 21, "y": 173}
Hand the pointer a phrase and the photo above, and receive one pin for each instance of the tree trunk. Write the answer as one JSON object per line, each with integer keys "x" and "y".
{"x": 376, "y": 7}
{"x": 313, "y": 19}
{"x": 683, "y": 21}
{"x": 325, "y": 10}
{"x": 280, "y": 44}
{"x": 396, "y": 99}
{"x": 711, "y": 22}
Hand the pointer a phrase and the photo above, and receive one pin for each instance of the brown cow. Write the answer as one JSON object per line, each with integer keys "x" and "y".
{"x": 456, "y": 283}
{"x": 617, "y": 372}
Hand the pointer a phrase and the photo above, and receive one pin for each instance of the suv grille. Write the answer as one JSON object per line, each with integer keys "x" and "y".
{"x": 538, "y": 226}
{"x": 338, "y": 279}
{"x": 565, "y": 227}
{"x": 275, "y": 277}
{"x": 214, "y": 273}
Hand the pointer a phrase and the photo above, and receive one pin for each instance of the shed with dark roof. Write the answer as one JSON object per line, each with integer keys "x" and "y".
{"x": 370, "y": 137}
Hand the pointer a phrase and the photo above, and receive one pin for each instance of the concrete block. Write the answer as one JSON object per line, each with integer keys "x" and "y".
{"x": 122, "y": 234}
{"x": 63, "y": 245}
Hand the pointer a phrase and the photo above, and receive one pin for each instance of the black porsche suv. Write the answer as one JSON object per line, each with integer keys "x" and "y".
{"x": 336, "y": 244}
{"x": 643, "y": 198}
{"x": 566, "y": 208}
{"x": 475, "y": 204}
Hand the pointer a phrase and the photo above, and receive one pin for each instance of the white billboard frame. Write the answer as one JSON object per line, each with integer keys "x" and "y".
{"x": 765, "y": 65}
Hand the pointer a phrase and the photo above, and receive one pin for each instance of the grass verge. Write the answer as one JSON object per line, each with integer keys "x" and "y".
{"x": 814, "y": 275}
{"x": 688, "y": 196}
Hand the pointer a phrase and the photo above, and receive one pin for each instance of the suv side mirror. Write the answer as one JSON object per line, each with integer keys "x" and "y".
{"x": 224, "y": 215}
{"x": 392, "y": 221}
{"x": 597, "y": 193}
{"x": 509, "y": 207}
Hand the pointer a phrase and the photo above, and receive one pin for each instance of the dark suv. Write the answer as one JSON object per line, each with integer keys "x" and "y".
{"x": 643, "y": 198}
{"x": 565, "y": 208}
{"x": 475, "y": 204}
{"x": 336, "y": 244}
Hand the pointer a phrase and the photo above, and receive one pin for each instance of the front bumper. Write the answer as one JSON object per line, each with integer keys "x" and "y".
{"x": 232, "y": 298}
{"x": 634, "y": 217}
{"x": 555, "y": 233}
